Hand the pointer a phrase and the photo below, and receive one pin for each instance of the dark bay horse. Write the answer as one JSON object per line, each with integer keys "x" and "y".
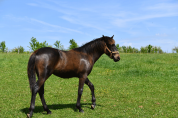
{"x": 77, "y": 62}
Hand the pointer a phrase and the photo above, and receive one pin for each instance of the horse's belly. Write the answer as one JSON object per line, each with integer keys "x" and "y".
{"x": 63, "y": 74}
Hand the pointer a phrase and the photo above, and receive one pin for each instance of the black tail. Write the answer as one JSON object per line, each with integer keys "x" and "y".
{"x": 31, "y": 71}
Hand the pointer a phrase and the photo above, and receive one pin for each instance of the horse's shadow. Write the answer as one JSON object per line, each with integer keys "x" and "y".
{"x": 39, "y": 109}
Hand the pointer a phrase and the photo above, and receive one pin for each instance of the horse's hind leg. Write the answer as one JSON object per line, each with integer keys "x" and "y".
{"x": 38, "y": 87}
{"x": 35, "y": 89}
{"x": 41, "y": 93}
{"x": 91, "y": 86}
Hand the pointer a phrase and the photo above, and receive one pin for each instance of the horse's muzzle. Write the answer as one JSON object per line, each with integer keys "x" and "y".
{"x": 117, "y": 59}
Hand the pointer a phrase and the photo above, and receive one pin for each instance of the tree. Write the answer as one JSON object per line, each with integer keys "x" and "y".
{"x": 124, "y": 48}
{"x": 119, "y": 48}
{"x": 3, "y": 46}
{"x": 59, "y": 45}
{"x": 42, "y": 45}
{"x": 73, "y": 44}
{"x": 175, "y": 49}
{"x": 149, "y": 48}
{"x": 20, "y": 49}
{"x": 143, "y": 49}
{"x": 156, "y": 49}
{"x": 135, "y": 50}
{"x": 34, "y": 44}
{"x": 160, "y": 50}
{"x": 129, "y": 49}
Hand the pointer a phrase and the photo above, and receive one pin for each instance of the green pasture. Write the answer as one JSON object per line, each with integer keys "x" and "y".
{"x": 139, "y": 85}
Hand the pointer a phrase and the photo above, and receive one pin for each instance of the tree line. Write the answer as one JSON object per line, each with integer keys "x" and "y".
{"x": 146, "y": 49}
{"x": 35, "y": 44}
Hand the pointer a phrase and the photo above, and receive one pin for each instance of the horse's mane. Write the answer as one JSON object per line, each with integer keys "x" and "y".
{"x": 92, "y": 45}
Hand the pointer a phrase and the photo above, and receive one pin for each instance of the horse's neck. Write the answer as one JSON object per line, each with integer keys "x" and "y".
{"x": 97, "y": 52}
{"x": 96, "y": 57}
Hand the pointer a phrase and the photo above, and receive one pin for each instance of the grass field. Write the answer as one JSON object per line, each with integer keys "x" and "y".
{"x": 139, "y": 85}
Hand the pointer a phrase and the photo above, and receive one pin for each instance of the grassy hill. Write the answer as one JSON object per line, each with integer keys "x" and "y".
{"x": 139, "y": 85}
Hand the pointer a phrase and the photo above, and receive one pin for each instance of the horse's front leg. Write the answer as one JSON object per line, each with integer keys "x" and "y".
{"x": 80, "y": 90}
{"x": 91, "y": 86}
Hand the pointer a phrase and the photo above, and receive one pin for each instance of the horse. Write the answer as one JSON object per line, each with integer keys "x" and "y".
{"x": 76, "y": 62}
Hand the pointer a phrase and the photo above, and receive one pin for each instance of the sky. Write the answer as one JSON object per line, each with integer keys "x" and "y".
{"x": 133, "y": 23}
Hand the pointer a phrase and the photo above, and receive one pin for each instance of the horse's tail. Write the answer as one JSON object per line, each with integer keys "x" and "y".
{"x": 31, "y": 70}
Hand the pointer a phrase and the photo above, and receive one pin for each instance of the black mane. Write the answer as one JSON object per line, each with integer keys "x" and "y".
{"x": 91, "y": 46}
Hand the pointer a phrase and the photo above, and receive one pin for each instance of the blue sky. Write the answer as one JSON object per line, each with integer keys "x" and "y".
{"x": 136, "y": 23}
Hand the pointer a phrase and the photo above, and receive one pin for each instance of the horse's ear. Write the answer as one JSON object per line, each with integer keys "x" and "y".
{"x": 112, "y": 36}
{"x": 103, "y": 35}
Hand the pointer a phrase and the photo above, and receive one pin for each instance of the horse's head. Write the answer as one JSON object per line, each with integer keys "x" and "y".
{"x": 110, "y": 48}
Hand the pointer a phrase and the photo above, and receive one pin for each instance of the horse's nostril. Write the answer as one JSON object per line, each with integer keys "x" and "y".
{"x": 116, "y": 59}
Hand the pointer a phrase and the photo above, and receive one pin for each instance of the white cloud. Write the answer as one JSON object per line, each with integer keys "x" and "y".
{"x": 55, "y": 26}
{"x": 82, "y": 22}
{"x": 146, "y": 13}
{"x": 124, "y": 22}
{"x": 73, "y": 15}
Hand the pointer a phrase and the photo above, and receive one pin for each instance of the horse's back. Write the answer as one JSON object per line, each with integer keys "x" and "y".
{"x": 48, "y": 51}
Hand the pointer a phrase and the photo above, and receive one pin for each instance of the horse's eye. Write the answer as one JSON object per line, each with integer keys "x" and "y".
{"x": 113, "y": 45}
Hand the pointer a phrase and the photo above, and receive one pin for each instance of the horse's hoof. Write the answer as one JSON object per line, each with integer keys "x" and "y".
{"x": 93, "y": 106}
{"x": 28, "y": 115}
{"x": 81, "y": 111}
{"x": 49, "y": 112}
